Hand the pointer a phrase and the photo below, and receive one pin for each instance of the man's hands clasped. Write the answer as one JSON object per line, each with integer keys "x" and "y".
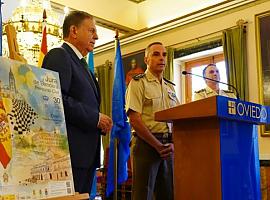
{"x": 166, "y": 150}
{"x": 105, "y": 123}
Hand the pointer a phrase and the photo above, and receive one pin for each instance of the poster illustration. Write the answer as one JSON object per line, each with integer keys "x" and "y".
{"x": 34, "y": 153}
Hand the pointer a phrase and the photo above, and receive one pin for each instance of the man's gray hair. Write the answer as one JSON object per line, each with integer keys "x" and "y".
{"x": 74, "y": 18}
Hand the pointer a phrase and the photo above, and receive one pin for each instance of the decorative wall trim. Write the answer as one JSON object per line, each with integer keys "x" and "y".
{"x": 264, "y": 157}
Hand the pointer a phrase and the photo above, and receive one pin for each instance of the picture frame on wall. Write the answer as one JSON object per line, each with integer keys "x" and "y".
{"x": 133, "y": 64}
{"x": 263, "y": 59}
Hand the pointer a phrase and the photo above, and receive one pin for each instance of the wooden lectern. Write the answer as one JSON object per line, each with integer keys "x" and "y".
{"x": 216, "y": 148}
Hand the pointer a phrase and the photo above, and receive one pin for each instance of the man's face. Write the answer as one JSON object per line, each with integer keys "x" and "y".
{"x": 212, "y": 72}
{"x": 156, "y": 58}
{"x": 86, "y": 36}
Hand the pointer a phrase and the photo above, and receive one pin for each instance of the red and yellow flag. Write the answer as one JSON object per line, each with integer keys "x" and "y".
{"x": 5, "y": 137}
{"x": 43, "y": 48}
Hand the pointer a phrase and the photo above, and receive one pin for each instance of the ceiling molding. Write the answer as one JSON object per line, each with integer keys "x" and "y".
{"x": 137, "y": 1}
{"x": 112, "y": 26}
{"x": 99, "y": 21}
{"x": 195, "y": 16}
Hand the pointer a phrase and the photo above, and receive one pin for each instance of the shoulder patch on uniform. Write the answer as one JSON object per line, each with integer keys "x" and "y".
{"x": 228, "y": 91}
{"x": 199, "y": 91}
{"x": 138, "y": 76}
{"x": 168, "y": 81}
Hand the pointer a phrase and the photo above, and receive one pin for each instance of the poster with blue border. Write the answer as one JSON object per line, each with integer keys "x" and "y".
{"x": 34, "y": 153}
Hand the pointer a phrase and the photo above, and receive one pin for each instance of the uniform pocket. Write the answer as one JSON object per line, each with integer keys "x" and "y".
{"x": 153, "y": 100}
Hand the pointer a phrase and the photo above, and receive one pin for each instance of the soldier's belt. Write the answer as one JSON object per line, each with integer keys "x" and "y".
{"x": 164, "y": 137}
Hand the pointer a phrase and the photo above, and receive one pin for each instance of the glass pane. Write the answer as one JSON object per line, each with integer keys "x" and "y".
{"x": 199, "y": 83}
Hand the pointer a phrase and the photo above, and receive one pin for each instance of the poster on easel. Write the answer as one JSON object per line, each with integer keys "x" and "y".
{"x": 34, "y": 153}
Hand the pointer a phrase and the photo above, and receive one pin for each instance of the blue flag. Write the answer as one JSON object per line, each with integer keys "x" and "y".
{"x": 0, "y": 27}
{"x": 94, "y": 184}
{"x": 91, "y": 61}
{"x": 93, "y": 192}
{"x": 121, "y": 128}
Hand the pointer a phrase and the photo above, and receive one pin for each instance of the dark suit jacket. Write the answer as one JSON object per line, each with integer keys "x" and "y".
{"x": 81, "y": 99}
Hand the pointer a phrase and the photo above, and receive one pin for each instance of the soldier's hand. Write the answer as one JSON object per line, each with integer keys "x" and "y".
{"x": 105, "y": 123}
{"x": 166, "y": 151}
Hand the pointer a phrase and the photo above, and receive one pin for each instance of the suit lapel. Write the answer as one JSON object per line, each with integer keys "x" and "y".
{"x": 92, "y": 80}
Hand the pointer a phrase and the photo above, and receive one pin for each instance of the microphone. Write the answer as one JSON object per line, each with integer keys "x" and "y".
{"x": 188, "y": 73}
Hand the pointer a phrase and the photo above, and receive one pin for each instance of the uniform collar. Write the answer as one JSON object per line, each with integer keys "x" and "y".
{"x": 209, "y": 90}
{"x": 151, "y": 77}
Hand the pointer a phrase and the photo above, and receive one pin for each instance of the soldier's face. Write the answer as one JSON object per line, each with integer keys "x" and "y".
{"x": 212, "y": 72}
{"x": 156, "y": 58}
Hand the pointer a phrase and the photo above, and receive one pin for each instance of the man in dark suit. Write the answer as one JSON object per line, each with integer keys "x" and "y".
{"x": 81, "y": 97}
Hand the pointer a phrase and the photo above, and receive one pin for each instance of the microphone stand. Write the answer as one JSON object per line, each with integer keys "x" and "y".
{"x": 188, "y": 73}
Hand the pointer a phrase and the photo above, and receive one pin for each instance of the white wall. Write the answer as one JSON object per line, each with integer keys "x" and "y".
{"x": 205, "y": 27}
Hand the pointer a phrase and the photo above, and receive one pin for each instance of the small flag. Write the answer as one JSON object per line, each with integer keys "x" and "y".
{"x": 91, "y": 62}
{"x": 43, "y": 47}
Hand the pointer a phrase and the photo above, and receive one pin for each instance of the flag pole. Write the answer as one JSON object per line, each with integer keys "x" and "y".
{"x": 115, "y": 139}
{"x": 1, "y": 27}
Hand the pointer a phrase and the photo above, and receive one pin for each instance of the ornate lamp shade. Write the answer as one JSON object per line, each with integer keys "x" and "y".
{"x": 28, "y": 22}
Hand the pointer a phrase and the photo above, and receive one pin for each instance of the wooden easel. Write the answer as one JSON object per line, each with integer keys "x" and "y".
{"x": 13, "y": 45}
{"x": 15, "y": 55}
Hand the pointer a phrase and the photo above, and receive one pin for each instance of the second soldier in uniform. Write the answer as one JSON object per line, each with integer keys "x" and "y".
{"x": 212, "y": 87}
{"x": 153, "y": 151}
